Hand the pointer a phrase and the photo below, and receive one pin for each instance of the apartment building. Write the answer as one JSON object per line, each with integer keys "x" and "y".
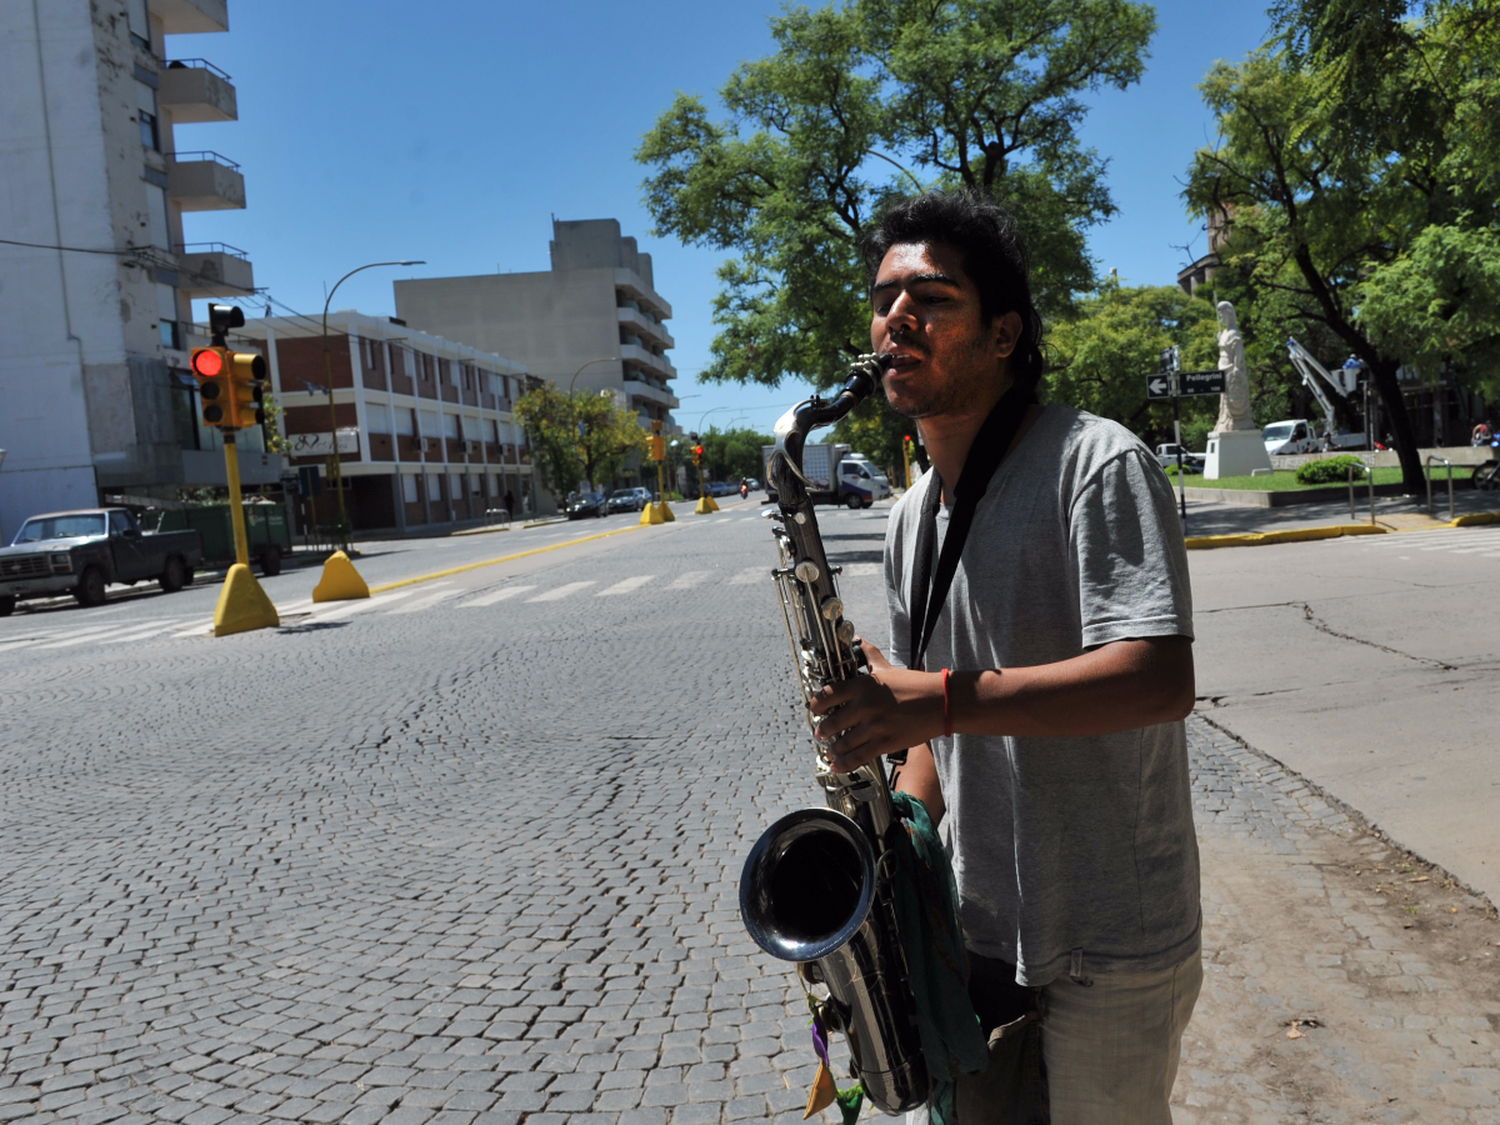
{"x": 423, "y": 426}
{"x": 97, "y": 280}
{"x": 594, "y": 321}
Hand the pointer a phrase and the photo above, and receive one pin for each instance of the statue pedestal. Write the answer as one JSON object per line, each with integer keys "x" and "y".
{"x": 1234, "y": 453}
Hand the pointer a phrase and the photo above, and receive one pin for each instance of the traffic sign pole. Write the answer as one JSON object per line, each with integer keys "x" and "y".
{"x": 1177, "y": 436}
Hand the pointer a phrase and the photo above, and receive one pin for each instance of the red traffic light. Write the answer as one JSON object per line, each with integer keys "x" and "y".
{"x": 208, "y": 362}
{"x": 697, "y": 451}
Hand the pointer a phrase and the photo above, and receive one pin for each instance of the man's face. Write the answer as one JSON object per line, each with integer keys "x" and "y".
{"x": 947, "y": 360}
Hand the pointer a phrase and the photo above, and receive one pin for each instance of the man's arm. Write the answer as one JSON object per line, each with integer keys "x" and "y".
{"x": 1119, "y": 686}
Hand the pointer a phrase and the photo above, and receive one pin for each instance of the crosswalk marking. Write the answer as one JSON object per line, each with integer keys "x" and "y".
{"x": 627, "y": 585}
{"x": 361, "y": 605}
{"x": 84, "y": 636}
{"x": 426, "y": 602}
{"x": 688, "y": 579}
{"x": 561, "y": 592}
{"x": 862, "y": 570}
{"x": 750, "y": 575}
{"x": 499, "y": 595}
{"x": 140, "y": 633}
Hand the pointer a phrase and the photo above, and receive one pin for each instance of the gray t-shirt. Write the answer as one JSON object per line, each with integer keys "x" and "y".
{"x": 1063, "y": 845}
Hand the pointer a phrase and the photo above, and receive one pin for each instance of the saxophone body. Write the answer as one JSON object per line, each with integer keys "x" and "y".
{"x": 816, "y": 889}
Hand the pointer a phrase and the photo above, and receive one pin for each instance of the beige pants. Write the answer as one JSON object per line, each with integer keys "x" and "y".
{"x": 1112, "y": 1047}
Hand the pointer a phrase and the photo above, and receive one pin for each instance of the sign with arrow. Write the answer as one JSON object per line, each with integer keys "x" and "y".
{"x": 1161, "y": 385}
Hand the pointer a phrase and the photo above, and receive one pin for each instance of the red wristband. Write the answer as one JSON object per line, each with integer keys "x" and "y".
{"x": 947, "y": 708}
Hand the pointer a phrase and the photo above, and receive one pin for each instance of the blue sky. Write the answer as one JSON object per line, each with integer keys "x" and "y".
{"x": 453, "y": 131}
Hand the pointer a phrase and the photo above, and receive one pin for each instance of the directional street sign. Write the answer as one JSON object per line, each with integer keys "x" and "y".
{"x": 1161, "y": 385}
{"x": 1201, "y": 382}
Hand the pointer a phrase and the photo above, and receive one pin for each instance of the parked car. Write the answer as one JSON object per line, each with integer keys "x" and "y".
{"x": 588, "y": 505}
{"x": 1166, "y": 457}
{"x": 82, "y": 552}
{"x": 629, "y": 499}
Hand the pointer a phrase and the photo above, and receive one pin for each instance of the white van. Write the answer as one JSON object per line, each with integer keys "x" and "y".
{"x": 1291, "y": 436}
{"x": 860, "y": 477}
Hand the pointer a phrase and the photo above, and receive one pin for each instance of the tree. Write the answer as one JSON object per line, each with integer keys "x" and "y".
{"x": 858, "y": 103}
{"x": 1356, "y": 168}
{"x": 734, "y": 454}
{"x": 1098, "y": 359}
{"x": 580, "y": 437}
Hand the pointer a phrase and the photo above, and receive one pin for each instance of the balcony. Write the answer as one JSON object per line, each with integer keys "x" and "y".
{"x": 636, "y": 289}
{"x": 657, "y": 366}
{"x": 205, "y": 181}
{"x": 196, "y": 91}
{"x": 641, "y": 325}
{"x": 214, "y": 269}
{"x": 184, "y": 17}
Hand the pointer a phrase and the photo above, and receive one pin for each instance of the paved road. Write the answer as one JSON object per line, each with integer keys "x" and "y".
{"x": 471, "y": 854}
{"x": 1370, "y": 665}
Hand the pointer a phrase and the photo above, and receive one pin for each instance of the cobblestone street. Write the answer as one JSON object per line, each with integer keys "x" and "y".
{"x": 480, "y": 864}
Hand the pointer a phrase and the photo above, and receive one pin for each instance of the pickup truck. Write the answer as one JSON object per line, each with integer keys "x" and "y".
{"x": 1166, "y": 457}
{"x": 82, "y": 552}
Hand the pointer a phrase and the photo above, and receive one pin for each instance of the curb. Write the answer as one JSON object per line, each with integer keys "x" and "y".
{"x": 1307, "y": 534}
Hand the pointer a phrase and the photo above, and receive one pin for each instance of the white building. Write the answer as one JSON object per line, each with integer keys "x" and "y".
{"x": 423, "y": 425}
{"x": 94, "y": 391}
{"x": 593, "y": 322}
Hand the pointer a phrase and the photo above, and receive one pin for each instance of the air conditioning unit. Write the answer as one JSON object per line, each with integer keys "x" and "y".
{"x": 472, "y": 448}
{"x": 432, "y": 445}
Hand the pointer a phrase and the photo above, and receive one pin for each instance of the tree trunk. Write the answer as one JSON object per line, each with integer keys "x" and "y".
{"x": 1413, "y": 479}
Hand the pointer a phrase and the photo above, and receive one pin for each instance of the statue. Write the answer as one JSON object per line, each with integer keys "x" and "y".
{"x": 1234, "y": 403}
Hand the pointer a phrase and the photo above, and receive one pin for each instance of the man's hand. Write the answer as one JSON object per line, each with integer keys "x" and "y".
{"x": 888, "y": 710}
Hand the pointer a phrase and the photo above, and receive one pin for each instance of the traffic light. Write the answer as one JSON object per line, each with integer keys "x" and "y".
{"x": 247, "y": 389}
{"x": 697, "y": 455}
{"x": 211, "y": 369}
{"x": 658, "y": 447}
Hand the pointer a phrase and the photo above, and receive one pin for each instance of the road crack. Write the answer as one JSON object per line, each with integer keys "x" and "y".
{"x": 1323, "y": 627}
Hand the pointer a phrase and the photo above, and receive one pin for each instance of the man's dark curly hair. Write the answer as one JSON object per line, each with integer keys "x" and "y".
{"x": 993, "y": 255}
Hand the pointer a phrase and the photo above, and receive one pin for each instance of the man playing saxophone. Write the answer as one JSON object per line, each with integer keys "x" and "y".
{"x": 1039, "y": 671}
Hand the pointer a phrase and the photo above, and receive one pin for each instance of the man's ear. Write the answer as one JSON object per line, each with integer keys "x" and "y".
{"x": 1006, "y": 333}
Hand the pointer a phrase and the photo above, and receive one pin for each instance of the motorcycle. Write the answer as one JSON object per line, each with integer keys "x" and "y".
{"x": 1487, "y": 475}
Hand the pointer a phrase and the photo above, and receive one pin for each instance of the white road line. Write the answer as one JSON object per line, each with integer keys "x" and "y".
{"x": 688, "y": 579}
{"x": 751, "y": 575}
{"x": 141, "y": 633}
{"x": 426, "y": 602}
{"x": 84, "y": 636}
{"x": 561, "y": 592}
{"x": 499, "y": 596}
{"x": 359, "y": 605}
{"x": 627, "y": 586}
{"x": 862, "y": 570}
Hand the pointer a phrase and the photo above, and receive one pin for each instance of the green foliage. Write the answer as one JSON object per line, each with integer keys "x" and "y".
{"x": 734, "y": 454}
{"x": 1330, "y": 470}
{"x": 1098, "y": 359}
{"x": 578, "y": 437}
{"x": 861, "y": 102}
{"x": 1357, "y": 167}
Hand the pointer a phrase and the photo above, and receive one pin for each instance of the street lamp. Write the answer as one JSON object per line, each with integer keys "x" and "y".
{"x": 590, "y": 363}
{"x": 335, "y": 468}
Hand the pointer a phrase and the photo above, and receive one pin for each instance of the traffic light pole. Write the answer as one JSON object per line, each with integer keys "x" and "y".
{"x": 236, "y": 502}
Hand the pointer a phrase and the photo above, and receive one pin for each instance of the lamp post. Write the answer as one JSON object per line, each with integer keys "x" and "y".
{"x": 335, "y": 468}
{"x": 590, "y": 363}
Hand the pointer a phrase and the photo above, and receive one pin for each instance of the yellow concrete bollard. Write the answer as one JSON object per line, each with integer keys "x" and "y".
{"x": 243, "y": 605}
{"x": 649, "y": 514}
{"x": 705, "y": 505}
{"x": 340, "y": 581}
{"x": 666, "y": 512}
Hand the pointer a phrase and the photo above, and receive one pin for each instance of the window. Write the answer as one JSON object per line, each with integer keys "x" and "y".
{"x": 156, "y": 214}
{"x": 140, "y": 23}
{"x": 146, "y": 115}
{"x": 166, "y": 311}
{"x": 455, "y": 486}
{"x": 409, "y": 488}
{"x": 406, "y": 422}
{"x": 434, "y": 486}
{"x": 450, "y": 426}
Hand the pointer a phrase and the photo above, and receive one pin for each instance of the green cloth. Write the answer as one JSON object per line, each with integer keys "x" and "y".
{"x": 933, "y": 941}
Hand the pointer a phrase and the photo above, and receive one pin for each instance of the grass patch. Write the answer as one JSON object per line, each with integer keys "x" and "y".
{"x": 1285, "y": 480}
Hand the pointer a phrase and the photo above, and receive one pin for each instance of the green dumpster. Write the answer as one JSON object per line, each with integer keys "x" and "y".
{"x": 265, "y": 529}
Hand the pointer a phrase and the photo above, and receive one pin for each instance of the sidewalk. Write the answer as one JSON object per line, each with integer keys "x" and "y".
{"x": 1395, "y": 513}
{"x": 1344, "y": 980}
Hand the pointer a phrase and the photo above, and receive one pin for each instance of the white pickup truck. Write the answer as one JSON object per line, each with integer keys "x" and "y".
{"x": 1166, "y": 457}
{"x": 1297, "y": 436}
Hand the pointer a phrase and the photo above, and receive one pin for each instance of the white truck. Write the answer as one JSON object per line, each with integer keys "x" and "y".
{"x": 1293, "y": 435}
{"x": 1166, "y": 457}
{"x": 835, "y": 475}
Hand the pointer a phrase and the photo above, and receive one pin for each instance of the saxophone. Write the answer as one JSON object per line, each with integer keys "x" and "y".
{"x": 816, "y": 888}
